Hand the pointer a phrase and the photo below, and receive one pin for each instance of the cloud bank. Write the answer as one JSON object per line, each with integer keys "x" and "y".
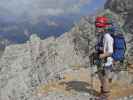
{"x": 36, "y": 8}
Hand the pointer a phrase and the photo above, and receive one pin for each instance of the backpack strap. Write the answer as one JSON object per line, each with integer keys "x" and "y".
{"x": 125, "y": 45}
{"x": 99, "y": 43}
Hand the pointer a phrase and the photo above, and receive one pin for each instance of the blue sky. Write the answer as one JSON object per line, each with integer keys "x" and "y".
{"x": 92, "y": 7}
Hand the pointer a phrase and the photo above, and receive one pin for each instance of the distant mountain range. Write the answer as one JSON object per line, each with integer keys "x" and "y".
{"x": 18, "y": 31}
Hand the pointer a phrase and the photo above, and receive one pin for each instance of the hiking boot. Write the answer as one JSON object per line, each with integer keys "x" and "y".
{"x": 110, "y": 80}
{"x": 104, "y": 96}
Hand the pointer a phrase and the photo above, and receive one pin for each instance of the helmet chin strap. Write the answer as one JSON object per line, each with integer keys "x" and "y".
{"x": 100, "y": 32}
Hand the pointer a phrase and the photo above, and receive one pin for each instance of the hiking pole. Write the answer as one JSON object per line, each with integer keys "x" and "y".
{"x": 91, "y": 69}
{"x": 90, "y": 65}
{"x": 91, "y": 76}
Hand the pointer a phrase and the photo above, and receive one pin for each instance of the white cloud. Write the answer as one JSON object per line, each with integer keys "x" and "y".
{"x": 52, "y": 23}
{"x": 34, "y": 9}
{"x": 52, "y": 11}
{"x": 84, "y": 1}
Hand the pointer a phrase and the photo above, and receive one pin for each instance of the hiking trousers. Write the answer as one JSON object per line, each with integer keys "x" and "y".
{"x": 104, "y": 76}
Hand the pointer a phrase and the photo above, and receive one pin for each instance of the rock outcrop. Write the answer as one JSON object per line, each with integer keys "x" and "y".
{"x": 124, "y": 9}
{"x": 23, "y": 67}
{"x": 3, "y": 43}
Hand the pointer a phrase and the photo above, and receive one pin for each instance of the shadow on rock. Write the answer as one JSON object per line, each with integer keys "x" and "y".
{"x": 79, "y": 86}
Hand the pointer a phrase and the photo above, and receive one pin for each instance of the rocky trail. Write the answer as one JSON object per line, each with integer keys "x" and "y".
{"x": 80, "y": 82}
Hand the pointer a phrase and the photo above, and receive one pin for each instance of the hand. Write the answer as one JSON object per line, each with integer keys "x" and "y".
{"x": 102, "y": 56}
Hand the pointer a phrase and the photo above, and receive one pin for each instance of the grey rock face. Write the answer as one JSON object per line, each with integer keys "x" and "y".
{"x": 3, "y": 43}
{"x": 124, "y": 9}
{"x": 84, "y": 37}
{"x": 23, "y": 67}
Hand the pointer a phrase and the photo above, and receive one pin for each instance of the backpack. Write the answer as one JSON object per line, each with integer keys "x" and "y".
{"x": 119, "y": 46}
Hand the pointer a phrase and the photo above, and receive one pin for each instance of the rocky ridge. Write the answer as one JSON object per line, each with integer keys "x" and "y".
{"x": 23, "y": 67}
{"x": 124, "y": 9}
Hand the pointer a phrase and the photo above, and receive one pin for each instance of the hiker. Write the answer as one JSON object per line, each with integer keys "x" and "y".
{"x": 110, "y": 48}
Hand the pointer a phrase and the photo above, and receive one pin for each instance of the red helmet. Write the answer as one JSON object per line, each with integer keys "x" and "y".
{"x": 102, "y": 22}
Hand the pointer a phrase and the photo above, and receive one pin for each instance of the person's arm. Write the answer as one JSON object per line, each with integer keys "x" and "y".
{"x": 104, "y": 55}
